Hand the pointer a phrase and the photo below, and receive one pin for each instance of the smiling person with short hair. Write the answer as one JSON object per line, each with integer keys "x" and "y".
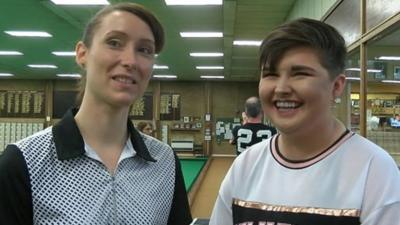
{"x": 314, "y": 171}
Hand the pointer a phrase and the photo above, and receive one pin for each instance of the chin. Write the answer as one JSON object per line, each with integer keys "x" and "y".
{"x": 123, "y": 102}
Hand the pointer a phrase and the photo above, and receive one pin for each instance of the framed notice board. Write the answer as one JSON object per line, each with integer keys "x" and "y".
{"x": 62, "y": 101}
{"x": 143, "y": 108}
{"x": 29, "y": 104}
{"x": 170, "y": 107}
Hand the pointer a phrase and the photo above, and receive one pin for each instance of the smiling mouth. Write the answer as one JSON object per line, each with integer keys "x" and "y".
{"x": 124, "y": 79}
{"x": 287, "y": 105}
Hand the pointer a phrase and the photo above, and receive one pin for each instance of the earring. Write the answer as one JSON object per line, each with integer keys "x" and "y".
{"x": 337, "y": 100}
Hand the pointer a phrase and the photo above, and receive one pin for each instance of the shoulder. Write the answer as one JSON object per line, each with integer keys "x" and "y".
{"x": 11, "y": 159}
{"x": 366, "y": 148}
{"x": 13, "y": 168}
{"x": 36, "y": 141}
{"x": 377, "y": 160}
{"x": 157, "y": 149}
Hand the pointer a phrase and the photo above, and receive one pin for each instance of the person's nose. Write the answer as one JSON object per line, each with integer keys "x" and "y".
{"x": 129, "y": 58}
{"x": 283, "y": 86}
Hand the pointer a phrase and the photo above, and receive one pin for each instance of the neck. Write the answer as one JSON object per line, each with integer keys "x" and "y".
{"x": 254, "y": 119}
{"x": 307, "y": 144}
{"x": 102, "y": 124}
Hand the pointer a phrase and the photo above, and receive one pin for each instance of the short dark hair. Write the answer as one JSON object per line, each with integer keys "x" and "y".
{"x": 304, "y": 32}
{"x": 252, "y": 107}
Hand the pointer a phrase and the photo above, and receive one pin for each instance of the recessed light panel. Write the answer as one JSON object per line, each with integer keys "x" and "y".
{"x": 6, "y": 74}
{"x": 80, "y": 2}
{"x": 28, "y": 33}
{"x": 42, "y": 66}
{"x": 193, "y": 2}
{"x": 69, "y": 75}
{"x": 155, "y": 66}
{"x": 394, "y": 58}
{"x": 64, "y": 53}
{"x": 206, "y": 54}
{"x": 212, "y": 77}
{"x": 165, "y": 76}
{"x": 391, "y": 81}
{"x": 209, "y": 67}
{"x": 10, "y": 53}
{"x": 201, "y": 34}
{"x": 247, "y": 43}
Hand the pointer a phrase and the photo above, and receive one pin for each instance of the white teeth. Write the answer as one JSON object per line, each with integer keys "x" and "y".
{"x": 124, "y": 80}
{"x": 286, "y": 104}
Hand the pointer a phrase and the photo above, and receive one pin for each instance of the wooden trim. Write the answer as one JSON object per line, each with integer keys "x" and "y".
{"x": 224, "y": 155}
{"x": 363, "y": 72}
{"x": 156, "y": 111}
{"x": 375, "y": 31}
{"x": 331, "y": 10}
{"x": 196, "y": 186}
{"x": 208, "y": 124}
{"x": 49, "y": 94}
{"x": 22, "y": 120}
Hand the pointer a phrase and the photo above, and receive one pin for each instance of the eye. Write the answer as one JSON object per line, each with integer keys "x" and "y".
{"x": 114, "y": 43}
{"x": 301, "y": 73}
{"x": 269, "y": 74}
{"x": 147, "y": 50}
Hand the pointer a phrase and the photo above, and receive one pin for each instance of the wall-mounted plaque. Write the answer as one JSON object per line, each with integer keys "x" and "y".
{"x": 28, "y": 104}
{"x": 170, "y": 107}
{"x": 142, "y": 109}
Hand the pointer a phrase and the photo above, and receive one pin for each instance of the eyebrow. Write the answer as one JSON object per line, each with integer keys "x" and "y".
{"x": 302, "y": 68}
{"x": 121, "y": 33}
{"x": 293, "y": 68}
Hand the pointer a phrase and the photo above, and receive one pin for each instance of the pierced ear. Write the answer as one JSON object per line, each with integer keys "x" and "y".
{"x": 80, "y": 57}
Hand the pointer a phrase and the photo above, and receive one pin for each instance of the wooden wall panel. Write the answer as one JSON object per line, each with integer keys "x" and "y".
{"x": 22, "y": 85}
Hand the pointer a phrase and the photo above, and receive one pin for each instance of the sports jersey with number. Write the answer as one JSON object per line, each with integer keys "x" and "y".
{"x": 352, "y": 182}
{"x": 250, "y": 134}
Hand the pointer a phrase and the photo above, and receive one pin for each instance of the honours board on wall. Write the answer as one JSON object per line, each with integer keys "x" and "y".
{"x": 142, "y": 109}
{"x": 29, "y": 104}
{"x": 170, "y": 107}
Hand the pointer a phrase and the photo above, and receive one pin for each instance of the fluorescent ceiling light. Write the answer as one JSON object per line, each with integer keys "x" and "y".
{"x": 391, "y": 81}
{"x": 72, "y": 75}
{"x": 209, "y": 67}
{"x": 201, "y": 34}
{"x": 193, "y": 2}
{"x": 389, "y": 58}
{"x": 155, "y": 66}
{"x": 28, "y": 33}
{"x": 247, "y": 43}
{"x": 165, "y": 76}
{"x": 352, "y": 78}
{"x": 212, "y": 77}
{"x": 368, "y": 70}
{"x": 42, "y": 66}
{"x": 80, "y": 2}
{"x": 6, "y": 75}
{"x": 64, "y": 53}
{"x": 206, "y": 54}
{"x": 10, "y": 53}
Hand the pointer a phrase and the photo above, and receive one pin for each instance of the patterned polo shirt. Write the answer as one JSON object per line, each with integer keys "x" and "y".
{"x": 52, "y": 177}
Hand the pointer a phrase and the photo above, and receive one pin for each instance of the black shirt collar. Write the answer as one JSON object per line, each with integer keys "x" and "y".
{"x": 69, "y": 141}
